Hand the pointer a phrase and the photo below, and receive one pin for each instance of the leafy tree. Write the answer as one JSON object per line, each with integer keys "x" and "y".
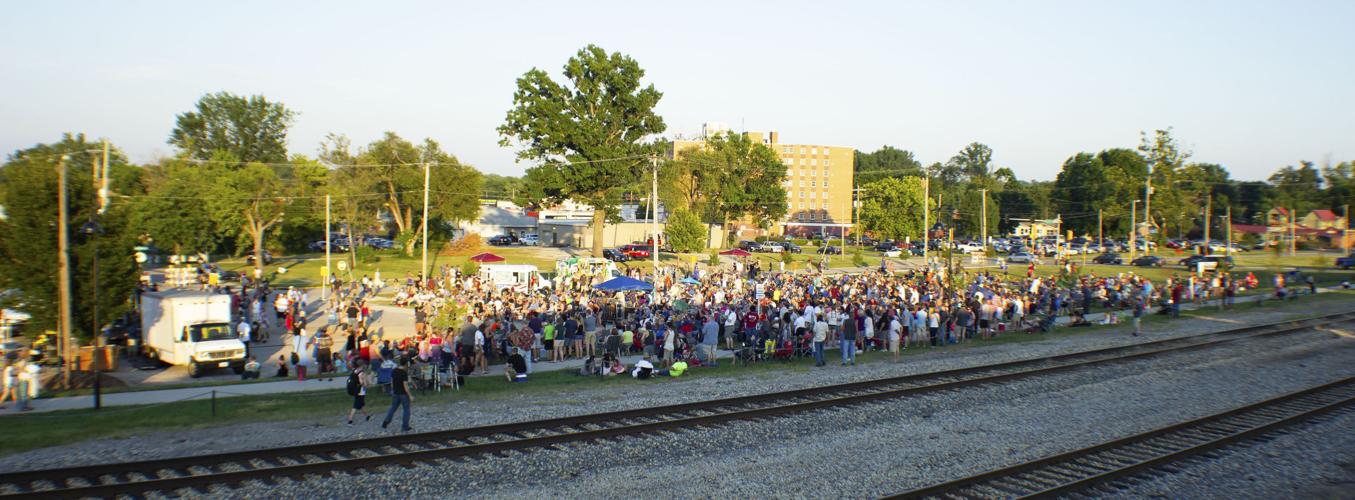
{"x": 247, "y": 198}
{"x": 501, "y": 186}
{"x": 252, "y": 129}
{"x": 885, "y": 162}
{"x": 1297, "y": 188}
{"x": 685, "y": 232}
{"x": 1166, "y": 158}
{"x": 390, "y": 166}
{"x": 173, "y": 216}
{"x": 892, "y": 207}
{"x": 742, "y": 179}
{"x": 28, "y": 236}
{"x": 589, "y": 133}
{"x": 974, "y": 163}
{"x": 1082, "y": 187}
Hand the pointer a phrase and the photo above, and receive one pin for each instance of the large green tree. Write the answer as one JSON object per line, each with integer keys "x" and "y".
{"x": 885, "y": 162}
{"x": 252, "y": 129}
{"x": 1171, "y": 205}
{"x": 742, "y": 179}
{"x": 28, "y": 236}
{"x": 892, "y": 207}
{"x": 590, "y": 133}
{"x": 685, "y": 232}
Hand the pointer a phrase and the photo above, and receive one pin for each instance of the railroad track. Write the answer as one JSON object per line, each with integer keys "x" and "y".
{"x": 231, "y": 469}
{"x": 1095, "y": 470}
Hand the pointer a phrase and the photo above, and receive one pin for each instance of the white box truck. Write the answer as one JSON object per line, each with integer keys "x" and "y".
{"x": 191, "y": 328}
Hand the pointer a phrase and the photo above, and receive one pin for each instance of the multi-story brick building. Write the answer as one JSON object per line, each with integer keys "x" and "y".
{"x": 818, "y": 182}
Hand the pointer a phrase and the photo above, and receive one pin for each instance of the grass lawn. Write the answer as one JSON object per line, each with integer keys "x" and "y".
{"x": 304, "y": 269}
{"x": 24, "y": 432}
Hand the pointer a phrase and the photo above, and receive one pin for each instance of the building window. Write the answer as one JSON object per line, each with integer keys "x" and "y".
{"x": 825, "y": 183}
{"x": 802, "y": 196}
{"x": 825, "y": 205}
{"x": 825, "y": 162}
{"x": 787, "y": 150}
{"x": 802, "y": 205}
{"x": 815, "y": 150}
{"x": 789, "y": 161}
{"x": 825, "y": 196}
{"x": 826, "y": 172}
{"x": 811, "y": 195}
{"x": 811, "y": 184}
{"x": 802, "y": 183}
{"x": 802, "y": 173}
{"x": 814, "y": 162}
{"x": 825, "y": 151}
{"x": 802, "y": 150}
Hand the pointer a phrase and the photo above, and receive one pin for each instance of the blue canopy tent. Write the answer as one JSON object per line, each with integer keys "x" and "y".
{"x": 690, "y": 281}
{"x": 624, "y": 284}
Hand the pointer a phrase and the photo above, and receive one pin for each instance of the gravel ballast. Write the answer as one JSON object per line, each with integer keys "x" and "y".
{"x": 885, "y": 447}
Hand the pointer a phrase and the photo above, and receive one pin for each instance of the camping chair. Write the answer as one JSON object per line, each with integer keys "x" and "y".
{"x": 784, "y": 352}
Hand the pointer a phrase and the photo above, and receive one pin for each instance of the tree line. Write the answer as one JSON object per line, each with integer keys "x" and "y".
{"x": 1090, "y": 187}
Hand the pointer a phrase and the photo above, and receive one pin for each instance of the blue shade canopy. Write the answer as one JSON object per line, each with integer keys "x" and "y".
{"x": 624, "y": 284}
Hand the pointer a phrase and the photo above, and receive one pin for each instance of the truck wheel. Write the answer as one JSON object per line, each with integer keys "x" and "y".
{"x": 238, "y": 369}
{"x": 194, "y": 370}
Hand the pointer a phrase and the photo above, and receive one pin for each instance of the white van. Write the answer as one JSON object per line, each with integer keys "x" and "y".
{"x": 515, "y": 276}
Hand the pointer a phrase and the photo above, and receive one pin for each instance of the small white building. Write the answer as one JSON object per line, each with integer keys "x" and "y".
{"x": 502, "y": 217}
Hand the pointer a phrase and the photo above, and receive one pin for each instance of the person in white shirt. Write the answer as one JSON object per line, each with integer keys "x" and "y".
{"x": 242, "y": 330}
{"x": 480, "y": 351}
{"x": 10, "y": 380}
{"x": 643, "y": 369}
{"x": 895, "y": 332}
{"x": 820, "y": 335}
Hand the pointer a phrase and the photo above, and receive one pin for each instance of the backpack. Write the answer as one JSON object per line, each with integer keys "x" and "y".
{"x": 354, "y": 385}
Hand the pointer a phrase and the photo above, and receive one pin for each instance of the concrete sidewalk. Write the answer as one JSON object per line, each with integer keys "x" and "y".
{"x": 280, "y": 386}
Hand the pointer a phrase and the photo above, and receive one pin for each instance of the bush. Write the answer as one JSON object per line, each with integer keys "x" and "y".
{"x": 858, "y": 259}
{"x": 800, "y": 241}
{"x": 470, "y": 244}
{"x": 685, "y": 232}
{"x": 367, "y": 255}
{"x": 714, "y": 258}
{"x": 760, "y": 239}
{"x": 787, "y": 258}
{"x": 470, "y": 268}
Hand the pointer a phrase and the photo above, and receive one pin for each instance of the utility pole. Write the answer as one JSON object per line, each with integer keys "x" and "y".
{"x": 329, "y": 269}
{"x": 1100, "y": 230}
{"x": 1148, "y": 204}
{"x": 103, "y": 189}
{"x": 856, "y": 214}
{"x": 1209, "y": 217}
{"x": 423, "y": 271}
{"x": 1228, "y": 245}
{"x": 1293, "y": 233}
{"x": 63, "y": 273}
{"x": 983, "y": 211}
{"x": 1133, "y": 226}
{"x": 654, "y": 225}
{"x": 926, "y": 207}
{"x": 1345, "y": 234}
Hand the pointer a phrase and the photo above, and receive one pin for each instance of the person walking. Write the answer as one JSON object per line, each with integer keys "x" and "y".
{"x": 10, "y": 381}
{"x": 710, "y": 336}
{"x": 358, "y": 389}
{"x": 895, "y": 335}
{"x": 400, "y": 396}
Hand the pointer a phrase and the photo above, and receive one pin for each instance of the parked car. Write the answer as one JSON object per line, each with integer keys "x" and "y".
{"x": 1208, "y": 262}
{"x": 885, "y": 247}
{"x": 531, "y": 240}
{"x": 636, "y": 251}
{"x": 501, "y": 240}
{"x": 1147, "y": 261}
{"x": 892, "y": 252}
{"x": 267, "y": 258}
{"x": 791, "y": 247}
{"x": 750, "y": 246}
{"x": 830, "y": 250}
{"x": 380, "y": 243}
{"x": 614, "y": 255}
{"x": 1108, "y": 258}
{"x": 1346, "y": 262}
{"x": 770, "y": 247}
{"x": 1022, "y": 257}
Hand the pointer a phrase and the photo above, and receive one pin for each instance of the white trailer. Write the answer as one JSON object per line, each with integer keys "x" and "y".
{"x": 191, "y": 328}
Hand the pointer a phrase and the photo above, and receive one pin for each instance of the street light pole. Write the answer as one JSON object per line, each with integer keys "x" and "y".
{"x": 92, "y": 230}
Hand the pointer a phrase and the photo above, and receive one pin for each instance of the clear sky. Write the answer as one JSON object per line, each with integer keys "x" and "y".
{"x": 1250, "y": 85}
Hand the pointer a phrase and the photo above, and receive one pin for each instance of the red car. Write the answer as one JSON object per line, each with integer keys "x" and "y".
{"x": 636, "y": 251}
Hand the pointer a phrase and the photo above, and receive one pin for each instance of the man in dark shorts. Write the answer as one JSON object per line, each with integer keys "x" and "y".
{"x": 360, "y": 398}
